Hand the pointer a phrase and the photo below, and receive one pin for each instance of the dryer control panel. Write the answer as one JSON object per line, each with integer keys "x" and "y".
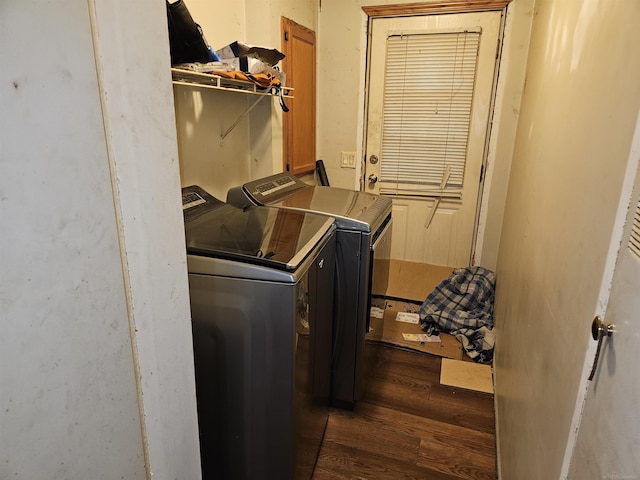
{"x": 269, "y": 189}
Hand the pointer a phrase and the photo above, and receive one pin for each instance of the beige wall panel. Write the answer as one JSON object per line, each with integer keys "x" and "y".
{"x": 578, "y": 114}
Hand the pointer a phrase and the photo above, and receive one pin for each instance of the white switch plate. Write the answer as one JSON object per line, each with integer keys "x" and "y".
{"x": 348, "y": 160}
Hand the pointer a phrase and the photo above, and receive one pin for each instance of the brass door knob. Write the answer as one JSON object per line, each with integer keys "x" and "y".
{"x": 599, "y": 330}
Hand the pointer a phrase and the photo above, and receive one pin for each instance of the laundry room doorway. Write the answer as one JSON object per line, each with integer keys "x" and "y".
{"x": 431, "y": 82}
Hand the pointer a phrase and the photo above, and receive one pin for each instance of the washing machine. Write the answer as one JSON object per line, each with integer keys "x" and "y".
{"x": 363, "y": 250}
{"x": 261, "y": 288}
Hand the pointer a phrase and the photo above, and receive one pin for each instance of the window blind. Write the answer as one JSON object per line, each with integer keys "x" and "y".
{"x": 634, "y": 243}
{"x": 429, "y": 81}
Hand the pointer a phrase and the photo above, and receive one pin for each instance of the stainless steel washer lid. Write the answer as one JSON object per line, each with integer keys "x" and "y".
{"x": 352, "y": 210}
{"x": 264, "y": 236}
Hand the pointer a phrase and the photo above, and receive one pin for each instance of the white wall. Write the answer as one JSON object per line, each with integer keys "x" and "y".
{"x": 576, "y": 123}
{"x": 140, "y": 131}
{"x": 507, "y": 111}
{"x": 254, "y": 148}
{"x": 205, "y": 160}
{"x": 341, "y": 70}
{"x": 96, "y": 362}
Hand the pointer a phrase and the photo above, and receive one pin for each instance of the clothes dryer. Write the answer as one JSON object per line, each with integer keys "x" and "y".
{"x": 363, "y": 249}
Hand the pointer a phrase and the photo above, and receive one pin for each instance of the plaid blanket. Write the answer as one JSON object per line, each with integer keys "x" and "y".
{"x": 463, "y": 306}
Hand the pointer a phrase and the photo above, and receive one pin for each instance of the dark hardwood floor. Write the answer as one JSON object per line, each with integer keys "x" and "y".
{"x": 408, "y": 426}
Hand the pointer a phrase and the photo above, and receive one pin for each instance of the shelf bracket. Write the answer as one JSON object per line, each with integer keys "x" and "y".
{"x": 239, "y": 119}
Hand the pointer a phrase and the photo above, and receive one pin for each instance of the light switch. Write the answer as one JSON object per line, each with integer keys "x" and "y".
{"x": 348, "y": 160}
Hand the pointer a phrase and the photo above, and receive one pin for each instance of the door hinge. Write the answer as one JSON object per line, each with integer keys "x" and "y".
{"x": 481, "y": 172}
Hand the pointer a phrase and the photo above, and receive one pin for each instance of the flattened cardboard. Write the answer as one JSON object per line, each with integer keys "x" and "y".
{"x": 414, "y": 281}
{"x": 467, "y": 375}
{"x": 392, "y": 331}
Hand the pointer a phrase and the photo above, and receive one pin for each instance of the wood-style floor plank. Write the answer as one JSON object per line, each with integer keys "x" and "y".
{"x": 352, "y": 430}
{"x": 463, "y": 463}
{"x": 419, "y": 399}
{"x": 408, "y": 426}
{"x": 460, "y": 438}
{"x": 350, "y": 463}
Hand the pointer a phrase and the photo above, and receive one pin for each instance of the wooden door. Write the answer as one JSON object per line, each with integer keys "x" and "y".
{"x": 299, "y": 123}
{"x": 433, "y": 228}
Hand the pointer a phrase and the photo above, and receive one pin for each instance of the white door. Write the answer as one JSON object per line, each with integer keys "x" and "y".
{"x": 608, "y": 442}
{"x": 433, "y": 223}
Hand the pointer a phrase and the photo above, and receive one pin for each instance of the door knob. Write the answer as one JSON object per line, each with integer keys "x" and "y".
{"x": 373, "y": 178}
{"x": 599, "y": 330}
